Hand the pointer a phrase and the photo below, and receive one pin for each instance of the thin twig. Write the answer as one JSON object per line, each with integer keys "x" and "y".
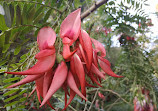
{"x": 113, "y": 104}
{"x": 85, "y": 107}
{"x": 111, "y": 92}
{"x": 93, "y": 100}
{"x": 116, "y": 94}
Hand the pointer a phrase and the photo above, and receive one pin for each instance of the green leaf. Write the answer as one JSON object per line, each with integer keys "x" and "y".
{"x": 11, "y": 8}
{"x": 31, "y": 14}
{"x": 23, "y": 91}
{"x": 18, "y": 15}
{"x": 5, "y": 86}
{"x": 24, "y": 14}
{"x": 40, "y": 1}
{"x": 3, "y": 26}
{"x": 11, "y": 79}
{"x": 111, "y": 3}
{"x": 53, "y": 2}
{"x": 5, "y": 48}
{"x": 47, "y": 15}
{"x": 39, "y": 17}
{"x": 17, "y": 50}
{"x": 39, "y": 10}
{"x": 2, "y": 40}
{"x": 23, "y": 99}
{"x": 7, "y": 15}
{"x": 11, "y": 104}
{"x": 21, "y": 107}
{"x": 7, "y": 36}
{"x": 10, "y": 98}
{"x": 3, "y": 62}
{"x": 46, "y": 2}
{"x": 14, "y": 36}
{"x": 10, "y": 92}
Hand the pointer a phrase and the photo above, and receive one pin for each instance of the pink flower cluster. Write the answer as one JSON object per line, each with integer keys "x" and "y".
{"x": 80, "y": 61}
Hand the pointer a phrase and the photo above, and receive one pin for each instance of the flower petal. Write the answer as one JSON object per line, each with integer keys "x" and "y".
{"x": 66, "y": 51}
{"x": 39, "y": 88}
{"x": 47, "y": 81}
{"x": 27, "y": 79}
{"x": 72, "y": 95}
{"x": 95, "y": 58}
{"x": 71, "y": 25}
{"x": 99, "y": 47}
{"x": 46, "y": 38}
{"x": 58, "y": 80}
{"x": 106, "y": 68}
{"x": 44, "y": 53}
{"x": 86, "y": 43}
{"x": 105, "y": 60}
{"x": 96, "y": 71}
{"x": 94, "y": 80}
{"x": 90, "y": 85}
{"x": 79, "y": 69}
{"x": 43, "y": 65}
{"x": 32, "y": 92}
{"x": 71, "y": 83}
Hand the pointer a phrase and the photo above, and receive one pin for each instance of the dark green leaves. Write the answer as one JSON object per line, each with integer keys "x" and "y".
{"x": 18, "y": 15}
{"x": 47, "y": 15}
{"x": 3, "y": 26}
{"x": 31, "y": 14}
{"x": 7, "y": 16}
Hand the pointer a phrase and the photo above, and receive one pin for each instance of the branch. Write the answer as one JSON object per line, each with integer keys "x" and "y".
{"x": 93, "y": 100}
{"x": 93, "y": 8}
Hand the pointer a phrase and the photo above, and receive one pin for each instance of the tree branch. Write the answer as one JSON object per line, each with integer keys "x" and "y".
{"x": 92, "y": 8}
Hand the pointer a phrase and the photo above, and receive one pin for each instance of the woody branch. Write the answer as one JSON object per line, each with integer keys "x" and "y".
{"x": 93, "y": 8}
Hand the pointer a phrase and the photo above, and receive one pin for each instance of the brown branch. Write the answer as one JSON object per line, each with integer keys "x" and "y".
{"x": 92, "y": 8}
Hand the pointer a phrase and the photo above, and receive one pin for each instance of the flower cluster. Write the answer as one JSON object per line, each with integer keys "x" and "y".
{"x": 125, "y": 39}
{"x": 144, "y": 104}
{"x": 79, "y": 61}
{"x": 103, "y": 29}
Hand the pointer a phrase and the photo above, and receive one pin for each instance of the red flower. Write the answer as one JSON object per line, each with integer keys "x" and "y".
{"x": 128, "y": 38}
{"x": 79, "y": 61}
{"x": 101, "y": 95}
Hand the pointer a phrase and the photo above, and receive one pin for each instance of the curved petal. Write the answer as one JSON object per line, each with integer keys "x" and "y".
{"x": 71, "y": 25}
{"x": 71, "y": 83}
{"x": 79, "y": 69}
{"x": 94, "y": 80}
{"x": 58, "y": 80}
{"x": 44, "y": 53}
{"x": 105, "y": 60}
{"x": 96, "y": 71}
{"x": 32, "y": 92}
{"x": 99, "y": 47}
{"x": 90, "y": 85}
{"x": 39, "y": 88}
{"x": 86, "y": 43}
{"x": 95, "y": 58}
{"x": 46, "y": 38}
{"x": 43, "y": 65}
{"x": 27, "y": 79}
{"x": 66, "y": 51}
{"x": 106, "y": 68}
{"x": 47, "y": 81}
{"x": 72, "y": 95}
